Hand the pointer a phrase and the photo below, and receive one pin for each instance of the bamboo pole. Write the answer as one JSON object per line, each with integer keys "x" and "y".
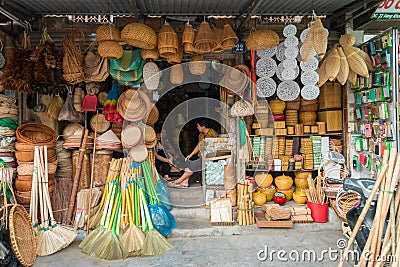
{"x": 361, "y": 218}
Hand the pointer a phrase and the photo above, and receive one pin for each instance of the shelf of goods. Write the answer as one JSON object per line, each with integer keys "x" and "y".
{"x": 372, "y": 107}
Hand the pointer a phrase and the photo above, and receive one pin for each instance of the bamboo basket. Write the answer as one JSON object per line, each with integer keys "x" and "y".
{"x": 110, "y": 50}
{"x": 205, "y": 41}
{"x": 167, "y": 41}
{"x": 102, "y": 163}
{"x": 177, "y": 58}
{"x": 188, "y": 38}
{"x": 30, "y": 147}
{"x": 340, "y": 214}
{"x": 176, "y": 74}
{"x": 312, "y": 107}
{"x": 307, "y": 48}
{"x": 277, "y": 106}
{"x": 262, "y": 39}
{"x": 25, "y": 185}
{"x": 27, "y": 168}
{"x": 108, "y": 32}
{"x": 149, "y": 54}
{"x": 346, "y": 200}
{"x": 320, "y": 40}
{"x": 218, "y": 33}
{"x": 28, "y": 156}
{"x": 347, "y": 40}
{"x": 332, "y": 66}
{"x": 229, "y": 37}
{"x": 139, "y": 35}
{"x": 35, "y": 133}
{"x": 197, "y": 65}
{"x": 307, "y": 117}
{"x": 343, "y": 73}
{"x": 356, "y": 61}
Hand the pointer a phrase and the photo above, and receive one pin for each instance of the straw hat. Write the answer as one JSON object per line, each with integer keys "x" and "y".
{"x": 101, "y": 122}
{"x": 262, "y": 39}
{"x": 134, "y": 105}
{"x": 72, "y": 129}
{"x": 151, "y": 75}
{"x": 236, "y": 79}
{"x": 153, "y": 116}
{"x": 138, "y": 153}
{"x": 131, "y": 135}
{"x": 150, "y": 137}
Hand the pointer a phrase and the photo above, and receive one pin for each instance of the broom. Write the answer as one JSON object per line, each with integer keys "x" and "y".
{"x": 33, "y": 207}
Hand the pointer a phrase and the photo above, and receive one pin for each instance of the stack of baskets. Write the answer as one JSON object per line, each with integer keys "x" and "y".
{"x": 28, "y": 136}
{"x": 284, "y": 185}
{"x": 108, "y": 37}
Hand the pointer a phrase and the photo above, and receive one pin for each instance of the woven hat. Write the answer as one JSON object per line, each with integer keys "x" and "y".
{"x": 131, "y": 136}
{"x": 197, "y": 65}
{"x": 72, "y": 129}
{"x": 138, "y": 153}
{"x": 150, "y": 137}
{"x": 107, "y": 32}
{"x": 134, "y": 105}
{"x": 262, "y": 39}
{"x": 149, "y": 54}
{"x": 139, "y": 35}
{"x": 101, "y": 122}
{"x": 153, "y": 116}
{"x": 236, "y": 79}
{"x": 151, "y": 75}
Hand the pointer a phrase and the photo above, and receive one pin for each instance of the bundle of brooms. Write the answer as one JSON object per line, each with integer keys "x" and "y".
{"x": 387, "y": 204}
{"x": 125, "y": 227}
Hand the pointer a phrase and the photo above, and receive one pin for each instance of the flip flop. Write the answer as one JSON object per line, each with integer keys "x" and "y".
{"x": 174, "y": 185}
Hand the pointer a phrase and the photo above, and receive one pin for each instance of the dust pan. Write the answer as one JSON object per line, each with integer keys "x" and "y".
{"x": 89, "y": 103}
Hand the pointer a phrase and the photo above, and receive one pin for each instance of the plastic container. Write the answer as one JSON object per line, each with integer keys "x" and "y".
{"x": 319, "y": 212}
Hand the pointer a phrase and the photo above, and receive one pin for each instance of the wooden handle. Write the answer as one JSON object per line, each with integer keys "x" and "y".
{"x": 76, "y": 179}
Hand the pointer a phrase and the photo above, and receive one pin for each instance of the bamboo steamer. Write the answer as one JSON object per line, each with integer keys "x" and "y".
{"x": 352, "y": 76}
{"x": 229, "y": 38}
{"x": 149, "y": 54}
{"x": 110, "y": 49}
{"x": 205, "y": 41}
{"x": 176, "y": 74}
{"x": 356, "y": 61}
{"x": 332, "y": 66}
{"x": 277, "y": 106}
{"x": 197, "y": 65}
{"x": 347, "y": 40}
{"x": 367, "y": 59}
{"x": 167, "y": 41}
{"x": 320, "y": 40}
{"x": 139, "y": 35}
{"x": 262, "y": 39}
{"x": 107, "y": 32}
{"x": 343, "y": 73}
{"x": 283, "y": 182}
{"x": 307, "y": 48}
{"x": 308, "y": 117}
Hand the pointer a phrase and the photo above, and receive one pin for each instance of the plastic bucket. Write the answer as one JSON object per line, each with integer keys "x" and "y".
{"x": 319, "y": 212}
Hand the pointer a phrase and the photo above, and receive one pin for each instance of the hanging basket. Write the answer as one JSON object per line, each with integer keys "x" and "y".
{"x": 262, "y": 39}
{"x": 229, "y": 37}
{"x": 205, "y": 41}
{"x": 139, "y": 35}
{"x": 110, "y": 49}
{"x": 188, "y": 39}
{"x": 218, "y": 33}
{"x": 107, "y": 32}
{"x": 178, "y": 56}
{"x": 150, "y": 54}
{"x": 167, "y": 41}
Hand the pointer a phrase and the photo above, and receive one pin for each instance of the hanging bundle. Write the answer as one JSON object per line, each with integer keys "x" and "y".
{"x": 54, "y": 107}
{"x": 72, "y": 61}
{"x": 205, "y": 41}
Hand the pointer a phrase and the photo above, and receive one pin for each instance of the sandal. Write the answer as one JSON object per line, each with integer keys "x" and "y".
{"x": 174, "y": 185}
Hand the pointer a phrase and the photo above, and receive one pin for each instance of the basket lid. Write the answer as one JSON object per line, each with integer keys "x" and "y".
{"x": 138, "y": 153}
{"x": 100, "y": 123}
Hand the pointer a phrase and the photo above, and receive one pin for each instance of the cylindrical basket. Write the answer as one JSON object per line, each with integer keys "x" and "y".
{"x": 167, "y": 41}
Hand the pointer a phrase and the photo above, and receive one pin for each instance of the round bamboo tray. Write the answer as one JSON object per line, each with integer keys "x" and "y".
{"x": 22, "y": 236}
{"x": 139, "y": 35}
{"x": 110, "y": 49}
{"x": 35, "y": 133}
{"x": 261, "y": 40}
{"x": 107, "y": 32}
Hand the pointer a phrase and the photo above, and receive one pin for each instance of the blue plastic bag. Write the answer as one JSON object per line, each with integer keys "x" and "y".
{"x": 162, "y": 219}
{"x": 163, "y": 195}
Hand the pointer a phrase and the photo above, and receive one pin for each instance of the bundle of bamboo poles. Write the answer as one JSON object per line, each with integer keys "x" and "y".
{"x": 315, "y": 192}
{"x": 245, "y": 204}
{"x": 387, "y": 204}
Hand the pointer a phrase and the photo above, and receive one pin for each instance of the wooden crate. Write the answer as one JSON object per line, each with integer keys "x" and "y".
{"x": 333, "y": 120}
{"x": 330, "y": 96}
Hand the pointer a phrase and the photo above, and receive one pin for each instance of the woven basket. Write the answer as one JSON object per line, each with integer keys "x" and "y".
{"x": 320, "y": 39}
{"x": 110, "y": 49}
{"x": 356, "y": 61}
{"x": 347, "y": 40}
{"x": 287, "y": 192}
{"x": 301, "y": 183}
{"x": 305, "y": 102}
{"x": 22, "y": 236}
{"x": 332, "y": 64}
{"x": 107, "y": 32}
{"x": 293, "y": 105}
{"x": 262, "y": 39}
{"x": 28, "y": 156}
{"x": 177, "y": 58}
{"x": 307, "y": 117}
{"x": 205, "y": 41}
{"x": 269, "y": 192}
{"x": 139, "y": 35}
{"x": 188, "y": 38}
{"x": 307, "y": 49}
{"x": 343, "y": 73}
{"x": 24, "y": 198}
{"x": 229, "y": 37}
{"x": 27, "y": 168}
{"x": 283, "y": 182}
{"x": 346, "y": 200}
{"x": 25, "y": 185}
{"x": 277, "y": 106}
{"x": 153, "y": 116}
{"x": 150, "y": 54}
{"x": 197, "y": 65}
{"x": 35, "y": 133}
{"x": 176, "y": 74}
{"x": 167, "y": 41}
{"x": 30, "y": 147}
{"x": 218, "y": 33}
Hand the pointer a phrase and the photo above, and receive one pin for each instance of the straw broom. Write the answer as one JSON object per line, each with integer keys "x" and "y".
{"x": 361, "y": 218}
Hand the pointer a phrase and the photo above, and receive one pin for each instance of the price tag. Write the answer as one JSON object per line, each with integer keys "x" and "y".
{"x": 240, "y": 47}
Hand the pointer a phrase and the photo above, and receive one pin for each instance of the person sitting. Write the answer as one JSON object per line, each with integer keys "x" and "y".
{"x": 192, "y": 162}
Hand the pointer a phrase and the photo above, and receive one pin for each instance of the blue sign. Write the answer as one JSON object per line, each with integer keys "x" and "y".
{"x": 240, "y": 47}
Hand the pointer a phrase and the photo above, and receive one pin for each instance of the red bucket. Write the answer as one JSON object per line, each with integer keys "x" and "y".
{"x": 319, "y": 212}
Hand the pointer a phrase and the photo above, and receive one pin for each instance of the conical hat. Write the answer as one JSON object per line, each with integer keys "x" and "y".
{"x": 108, "y": 136}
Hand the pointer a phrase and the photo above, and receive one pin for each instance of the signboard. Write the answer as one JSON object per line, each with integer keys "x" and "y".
{"x": 388, "y": 9}
{"x": 240, "y": 47}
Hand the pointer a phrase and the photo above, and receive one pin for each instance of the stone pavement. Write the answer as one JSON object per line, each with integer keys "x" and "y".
{"x": 232, "y": 250}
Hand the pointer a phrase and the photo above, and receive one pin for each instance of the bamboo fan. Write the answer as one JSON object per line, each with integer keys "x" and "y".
{"x": 167, "y": 41}
{"x": 320, "y": 39}
{"x": 332, "y": 64}
{"x": 356, "y": 61}
{"x": 218, "y": 33}
{"x": 343, "y": 73}
{"x": 188, "y": 39}
{"x": 205, "y": 41}
{"x": 229, "y": 38}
